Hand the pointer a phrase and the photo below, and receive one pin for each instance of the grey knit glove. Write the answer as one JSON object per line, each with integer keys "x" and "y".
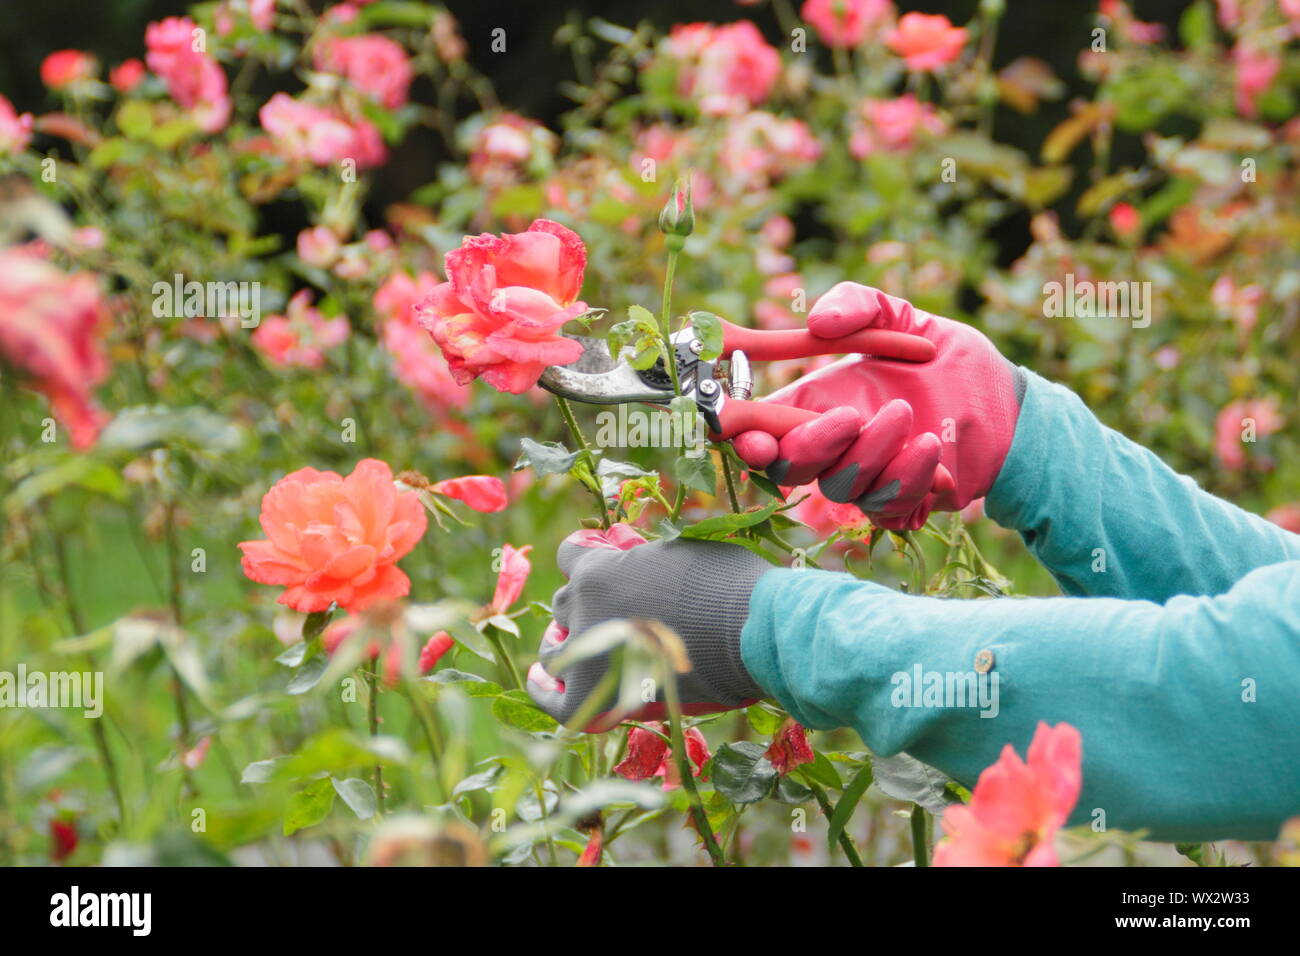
{"x": 700, "y": 589}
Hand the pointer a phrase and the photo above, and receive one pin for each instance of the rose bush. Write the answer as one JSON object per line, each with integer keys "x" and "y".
{"x": 361, "y": 384}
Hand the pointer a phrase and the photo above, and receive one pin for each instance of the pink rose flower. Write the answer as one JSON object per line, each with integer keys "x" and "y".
{"x": 194, "y": 79}
{"x": 760, "y": 148}
{"x": 1125, "y": 220}
{"x": 1017, "y": 807}
{"x": 127, "y": 75}
{"x": 417, "y": 361}
{"x": 515, "y": 568}
{"x": 723, "y": 68}
{"x": 373, "y": 63}
{"x": 481, "y": 492}
{"x": 617, "y": 537}
{"x": 318, "y": 246}
{"x": 845, "y": 23}
{"x": 1286, "y": 516}
{"x": 50, "y": 325}
{"x": 302, "y": 131}
{"x": 332, "y": 539}
{"x": 65, "y": 67}
{"x": 499, "y": 314}
{"x": 1261, "y": 415}
{"x": 823, "y": 515}
{"x": 301, "y": 336}
{"x": 925, "y": 41}
{"x": 1255, "y": 72}
{"x": 15, "y": 130}
{"x": 893, "y": 125}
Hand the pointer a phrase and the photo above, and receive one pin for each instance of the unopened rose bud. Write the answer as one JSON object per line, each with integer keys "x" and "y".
{"x": 678, "y": 216}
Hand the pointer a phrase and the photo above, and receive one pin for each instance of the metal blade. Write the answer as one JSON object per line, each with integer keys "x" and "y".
{"x": 597, "y": 378}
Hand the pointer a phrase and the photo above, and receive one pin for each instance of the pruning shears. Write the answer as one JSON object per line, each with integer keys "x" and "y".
{"x": 599, "y": 378}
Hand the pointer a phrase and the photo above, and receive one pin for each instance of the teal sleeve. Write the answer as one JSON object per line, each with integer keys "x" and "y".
{"x": 1189, "y": 711}
{"x": 1109, "y": 518}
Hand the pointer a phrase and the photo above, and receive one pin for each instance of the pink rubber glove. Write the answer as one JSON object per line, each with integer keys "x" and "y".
{"x": 898, "y": 439}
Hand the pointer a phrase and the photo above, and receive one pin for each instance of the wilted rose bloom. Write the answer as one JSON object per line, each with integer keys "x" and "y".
{"x": 925, "y": 41}
{"x": 893, "y": 125}
{"x": 499, "y": 314}
{"x": 194, "y": 79}
{"x": 15, "y": 130}
{"x": 648, "y": 755}
{"x": 127, "y": 75}
{"x": 65, "y": 67}
{"x": 318, "y": 246}
{"x": 1238, "y": 421}
{"x": 515, "y": 568}
{"x": 50, "y": 323}
{"x": 1255, "y": 71}
{"x": 417, "y": 361}
{"x": 63, "y": 838}
{"x": 373, "y": 63}
{"x": 1017, "y": 807}
{"x": 332, "y": 539}
{"x": 483, "y": 493}
{"x": 301, "y": 336}
{"x": 845, "y": 23}
{"x": 723, "y": 68}
{"x": 789, "y": 748}
{"x": 759, "y": 148}
{"x": 319, "y": 135}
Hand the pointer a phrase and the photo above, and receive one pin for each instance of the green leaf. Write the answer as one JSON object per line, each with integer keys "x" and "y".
{"x": 741, "y": 773}
{"x": 720, "y": 526}
{"x": 314, "y": 623}
{"x": 472, "y": 685}
{"x": 697, "y": 473}
{"x": 791, "y": 791}
{"x": 545, "y": 458}
{"x": 477, "y": 781}
{"x": 763, "y": 720}
{"x": 613, "y": 473}
{"x": 708, "y": 329}
{"x": 1196, "y": 26}
{"x": 516, "y": 709}
{"x": 906, "y": 778}
{"x": 847, "y": 804}
{"x": 307, "y": 676}
{"x": 135, "y": 119}
{"x": 767, "y": 484}
{"x": 142, "y": 427}
{"x": 822, "y": 771}
{"x": 358, "y": 795}
{"x": 262, "y": 771}
{"x": 309, "y": 806}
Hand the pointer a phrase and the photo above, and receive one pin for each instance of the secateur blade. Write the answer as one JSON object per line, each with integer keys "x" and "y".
{"x": 598, "y": 378}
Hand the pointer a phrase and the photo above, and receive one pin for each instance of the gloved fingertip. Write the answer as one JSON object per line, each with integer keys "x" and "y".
{"x": 778, "y": 469}
{"x": 839, "y": 486}
{"x": 943, "y": 480}
{"x": 555, "y": 634}
{"x": 539, "y": 678}
{"x": 757, "y": 449}
{"x": 875, "y": 500}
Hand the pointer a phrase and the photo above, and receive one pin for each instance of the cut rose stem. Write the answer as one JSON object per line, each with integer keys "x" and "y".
{"x": 566, "y": 411}
{"x": 684, "y": 771}
{"x": 920, "y": 835}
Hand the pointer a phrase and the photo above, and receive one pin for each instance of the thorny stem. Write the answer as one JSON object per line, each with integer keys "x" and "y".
{"x": 372, "y": 717}
{"x": 178, "y": 618}
{"x": 566, "y": 410}
{"x": 845, "y": 841}
{"x": 506, "y": 665}
{"x": 920, "y": 835}
{"x": 687, "y": 777}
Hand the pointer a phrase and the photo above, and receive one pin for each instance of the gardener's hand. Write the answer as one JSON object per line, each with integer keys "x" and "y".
{"x": 700, "y": 589}
{"x": 899, "y": 439}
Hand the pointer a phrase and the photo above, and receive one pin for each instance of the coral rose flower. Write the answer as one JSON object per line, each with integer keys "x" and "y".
{"x": 15, "y": 129}
{"x": 1017, "y": 807}
{"x": 301, "y": 336}
{"x": 845, "y": 23}
{"x": 335, "y": 540}
{"x": 483, "y": 493}
{"x": 499, "y": 313}
{"x": 65, "y": 67}
{"x": 926, "y": 42}
{"x": 515, "y": 568}
{"x": 127, "y": 75}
